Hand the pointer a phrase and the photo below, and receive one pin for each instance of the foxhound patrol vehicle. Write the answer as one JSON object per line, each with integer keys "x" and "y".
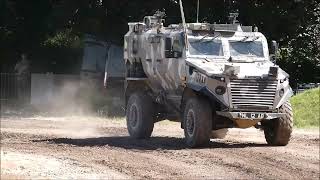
{"x": 209, "y": 77}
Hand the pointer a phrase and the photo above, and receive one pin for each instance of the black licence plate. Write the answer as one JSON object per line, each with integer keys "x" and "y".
{"x": 252, "y": 115}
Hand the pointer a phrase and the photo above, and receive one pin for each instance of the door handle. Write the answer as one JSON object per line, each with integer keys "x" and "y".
{"x": 149, "y": 60}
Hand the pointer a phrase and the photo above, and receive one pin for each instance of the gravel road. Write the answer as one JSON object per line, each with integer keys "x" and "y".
{"x": 97, "y": 148}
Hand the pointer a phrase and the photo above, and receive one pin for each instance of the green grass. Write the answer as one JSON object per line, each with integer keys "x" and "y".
{"x": 306, "y": 108}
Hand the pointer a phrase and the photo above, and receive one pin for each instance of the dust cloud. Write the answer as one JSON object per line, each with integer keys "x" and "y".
{"x": 75, "y": 103}
{"x": 68, "y": 97}
{"x": 76, "y": 108}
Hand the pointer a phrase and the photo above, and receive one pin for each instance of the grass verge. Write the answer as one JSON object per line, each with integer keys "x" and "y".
{"x": 306, "y": 108}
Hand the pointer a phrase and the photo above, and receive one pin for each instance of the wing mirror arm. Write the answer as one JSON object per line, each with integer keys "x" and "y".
{"x": 274, "y": 51}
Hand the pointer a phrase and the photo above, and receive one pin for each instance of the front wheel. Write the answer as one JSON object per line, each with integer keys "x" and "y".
{"x": 197, "y": 119}
{"x": 278, "y": 131}
{"x": 139, "y": 116}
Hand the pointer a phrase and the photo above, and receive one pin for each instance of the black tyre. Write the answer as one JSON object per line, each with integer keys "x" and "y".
{"x": 278, "y": 131}
{"x": 197, "y": 119}
{"x": 139, "y": 116}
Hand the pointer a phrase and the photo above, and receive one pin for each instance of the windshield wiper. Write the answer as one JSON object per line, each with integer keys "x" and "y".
{"x": 203, "y": 38}
{"x": 247, "y": 37}
{"x": 244, "y": 39}
{"x": 256, "y": 38}
{"x": 215, "y": 37}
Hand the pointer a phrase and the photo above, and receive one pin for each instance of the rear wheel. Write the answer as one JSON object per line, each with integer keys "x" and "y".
{"x": 139, "y": 116}
{"x": 278, "y": 131}
{"x": 197, "y": 119}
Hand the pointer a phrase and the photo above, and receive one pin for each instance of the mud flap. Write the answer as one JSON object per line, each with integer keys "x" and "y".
{"x": 245, "y": 123}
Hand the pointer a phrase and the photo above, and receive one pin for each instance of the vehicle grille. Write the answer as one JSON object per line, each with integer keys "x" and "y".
{"x": 252, "y": 93}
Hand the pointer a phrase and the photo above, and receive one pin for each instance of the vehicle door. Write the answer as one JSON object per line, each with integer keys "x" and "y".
{"x": 168, "y": 66}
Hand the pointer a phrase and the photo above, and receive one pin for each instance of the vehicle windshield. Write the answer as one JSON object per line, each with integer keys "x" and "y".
{"x": 205, "y": 47}
{"x": 246, "y": 48}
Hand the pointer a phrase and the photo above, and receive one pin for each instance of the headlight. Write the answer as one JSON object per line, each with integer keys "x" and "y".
{"x": 281, "y": 92}
{"x": 220, "y": 90}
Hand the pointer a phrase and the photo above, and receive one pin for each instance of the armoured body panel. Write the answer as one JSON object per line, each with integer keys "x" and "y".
{"x": 209, "y": 77}
{"x": 228, "y": 63}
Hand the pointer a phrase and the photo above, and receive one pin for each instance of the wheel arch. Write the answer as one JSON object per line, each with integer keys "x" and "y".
{"x": 132, "y": 86}
{"x": 187, "y": 93}
{"x": 190, "y": 92}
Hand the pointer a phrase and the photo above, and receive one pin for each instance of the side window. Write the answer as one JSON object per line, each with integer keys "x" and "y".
{"x": 173, "y": 50}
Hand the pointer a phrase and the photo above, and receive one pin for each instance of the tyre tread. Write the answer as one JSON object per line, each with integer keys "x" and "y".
{"x": 203, "y": 133}
{"x": 282, "y": 127}
{"x": 145, "y": 124}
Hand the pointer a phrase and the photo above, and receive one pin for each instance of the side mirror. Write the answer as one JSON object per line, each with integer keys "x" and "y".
{"x": 274, "y": 51}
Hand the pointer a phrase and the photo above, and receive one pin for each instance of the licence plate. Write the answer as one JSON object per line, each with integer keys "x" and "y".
{"x": 252, "y": 115}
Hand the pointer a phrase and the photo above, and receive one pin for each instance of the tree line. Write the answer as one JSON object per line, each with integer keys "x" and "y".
{"x": 51, "y": 31}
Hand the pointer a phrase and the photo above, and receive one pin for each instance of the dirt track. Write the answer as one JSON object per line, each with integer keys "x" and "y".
{"x": 73, "y": 147}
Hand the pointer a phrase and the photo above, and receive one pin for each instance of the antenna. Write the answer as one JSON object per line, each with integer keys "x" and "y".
{"x": 184, "y": 24}
{"x": 182, "y": 14}
{"x": 198, "y": 11}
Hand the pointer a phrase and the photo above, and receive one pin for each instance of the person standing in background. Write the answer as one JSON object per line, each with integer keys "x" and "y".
{"x": 22, "y": 70}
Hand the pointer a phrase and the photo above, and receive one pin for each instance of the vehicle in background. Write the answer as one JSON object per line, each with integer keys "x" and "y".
{"x": 102, "y": 74}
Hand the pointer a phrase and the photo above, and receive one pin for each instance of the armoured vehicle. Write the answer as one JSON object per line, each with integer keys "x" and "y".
{"x": 209, "y": 77}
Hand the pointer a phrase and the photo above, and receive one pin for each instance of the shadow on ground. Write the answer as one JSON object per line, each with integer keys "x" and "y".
{"x": 154, "y": 143}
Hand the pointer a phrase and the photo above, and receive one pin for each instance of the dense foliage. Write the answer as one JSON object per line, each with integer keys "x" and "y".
{"x": 50, "y": 31}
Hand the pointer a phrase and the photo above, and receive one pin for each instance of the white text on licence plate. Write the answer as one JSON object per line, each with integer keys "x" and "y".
{"x": 251, "y": 115}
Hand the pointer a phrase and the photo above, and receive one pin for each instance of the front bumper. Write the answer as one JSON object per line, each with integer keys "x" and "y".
{"x": 251, "y": 115}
